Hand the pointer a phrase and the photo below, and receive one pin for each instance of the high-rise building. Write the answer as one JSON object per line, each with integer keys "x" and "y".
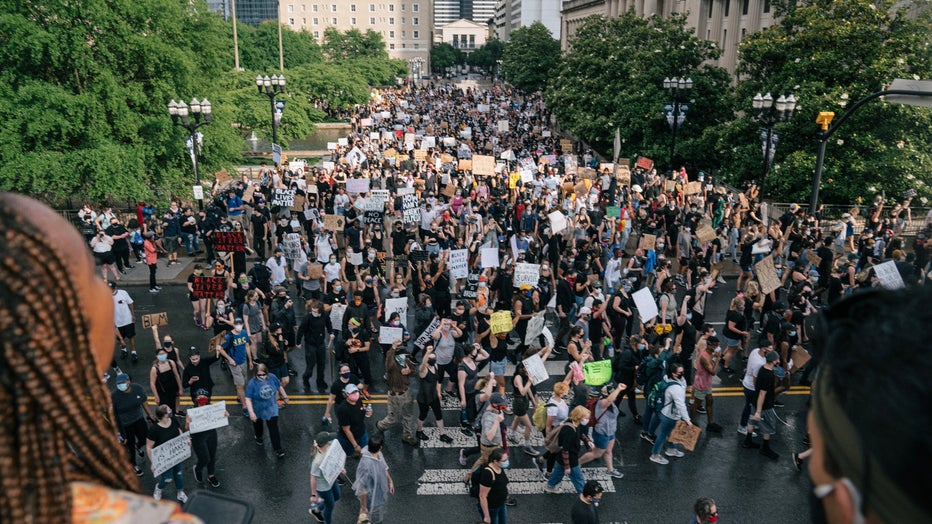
{"x": 252, "y": 12}
{"x": 479, "y": 11}
{"x": 513, "y": 14}
{"x": 446, "y": 11}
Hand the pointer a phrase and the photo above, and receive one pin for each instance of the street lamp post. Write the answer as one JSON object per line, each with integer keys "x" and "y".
{"x": 199, "y": 116}
{"x": 766, "y": 113}
{"x": 271, "y": 87}
{"x": 678, "y": 89}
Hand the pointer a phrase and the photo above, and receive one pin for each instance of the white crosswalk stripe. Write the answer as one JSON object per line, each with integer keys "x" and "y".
{"x": 460, "y": 440}
{"x": 524, "y": 481}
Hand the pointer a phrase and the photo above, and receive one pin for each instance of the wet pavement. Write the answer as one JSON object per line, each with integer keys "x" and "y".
{"x": 747, "y": 487}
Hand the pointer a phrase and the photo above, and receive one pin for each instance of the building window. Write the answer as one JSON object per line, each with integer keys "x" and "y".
{"x": 314, "y": 8}
{"x": 402, "y": 34}
{"x": 744, "y": 7}
{"x": 402, "y": 8}
{"x": 391, "y": 20}
{"x": 333, "y": 8}
{"x": 417, "y": 34}
{"x": 402, "y": 20}
{"x": 766, "y": 6}
{"x": 415, "y": 21}
{"x": 352, "y": 8}
{"x": 353, "y": 21}
{"x": 303, "y": 8}
{"x": 333, "y": 21}
{"x": 711, "y": 6}
{"x": 402, "y": 45}
{"x": 416, "y": 8}
{"x": 391, "y": 46}
{"x": 417, "y": 46}
{"x": 371, "y": 20}
{"x": 291, "y": 8}
{"x": 371, "y": 8}
{"x": 291, "y": 21}
{"x": 304, "y": 21}
{"x": 744, "y": 32}
{"x": 391, "y": 34}
{"x": 316, "y": 21}
{"x": 391, "y": 8}
{"x": 316, "y": 34}
{"x": 472, "y": 41}
{"x": 727, "y": 7}
{"x": 724, "y": 38}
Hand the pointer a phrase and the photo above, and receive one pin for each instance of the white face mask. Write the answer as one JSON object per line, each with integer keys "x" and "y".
{"x": 584, "y": 422}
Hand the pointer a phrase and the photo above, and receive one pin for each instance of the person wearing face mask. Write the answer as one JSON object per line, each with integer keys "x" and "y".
{"x": 275, "y": 354}
{"x": 704, "y": 512}
{"x": 428, "y": 396}
{"x": 262, "y": 395}
{"x": 493, "y": 488}
{"x": 196, "y": 374}
{"x": 235, "y": 349}
{"x": 586, "y": 506}
{"x": 568, "y": 438}
{"x": 165, "y": 381}
{"x": 204, "y": 443}
{"x": 331, "y": 269}
{"x": 674, "y": 409}
{"x": 351, "y": 416}
{"x": 165, "y": 429}
{"x": 355, "y": 349}
{"x": 398, "y": 371}
{"x": 706, "y": 365}
{"x": 313, "y": 333}
{"x": 131, "y": 410}
{"x": 357, "y": 310}
{"x": 337, "y": 395}
{"x": 625, "y": 367}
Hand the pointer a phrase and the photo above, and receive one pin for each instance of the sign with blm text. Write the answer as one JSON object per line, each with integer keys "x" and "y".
{"x": 154, "y": 319}
{"x": 425, "y": 336}
{"x": 229, "y": 241}
{"x": 283, "y": 197}
{"x": 208, "y": 287}
{"x": 171, "y": 453}
{"x": 459, "y": 263}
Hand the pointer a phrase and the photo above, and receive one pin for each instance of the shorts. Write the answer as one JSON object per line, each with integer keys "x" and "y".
{"x": 238, "y": 372}
{"x": 601, "y": 441}
{"x": 731, "y": 342}
{"x": 279, "y": 371}
{"x": 170, "y": 244}
{"x": 767, "y": 425}
{"x": 127, "y": 331}
{"x": 106, "y": 258}
{"x": 701, "y": 395}
{"x": 746, "y": 268}
{"x": 520, "y": 406}
{"x": 498, "y": 367}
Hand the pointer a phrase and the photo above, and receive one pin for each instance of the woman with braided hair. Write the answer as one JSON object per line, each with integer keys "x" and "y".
{"x": 60, "y": 460}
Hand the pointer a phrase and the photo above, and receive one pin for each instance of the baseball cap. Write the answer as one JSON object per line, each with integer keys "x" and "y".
{"x": 497, "y": 399}
{"x": 773, "y": 356}
{"x": 238, "y": 320}
{"x": 350, "y": 388}
{"x": 121, "y": 378}
{"x": 324, "y": 437}
{"x": 585, "y": 311}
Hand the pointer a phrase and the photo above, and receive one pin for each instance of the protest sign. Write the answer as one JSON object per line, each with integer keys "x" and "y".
{"x": 333, "y": 463}
{"x": 343, "y": 142}
{"x": 331, "y": 146}
{"x": 154, "y": 319}
{"x": 581, "y": 188}
{"x": 230, "y": 241}
{"x": 527, "y": 176}
{"x": 291, "y": 245}
{"x": 357, "y": 185}
{"x": 388, "y": 335}
{"x": 685, "y": 435}
{"x": 355, "y": 259}
{"x": 397, "y": 305}
{"x": 458, "y": 263}
{"x": 587, "y": 173}
{"x": 648, "y": 242}
{"x": 705, "y": 233}
{"x": 500, "y": 322}
{"x": 171, "y": 453}
{"x": 334, "y": 222}
{"x": 419, "y": 255}
{"x": 693, "y": 188}
{"x": 669, "y": 186}
{"x": 315, "y": 271}
{"x": 645, "y": 163}
{"x": 446, "y": 159}
{"x": 448, "y": 190}
{"x": 312, "y": 213}
{"x": 429, "y": 142}
{"x": 489, "y": 257}
{"x": 375, "y": 135}
{"x": 623, "y": 174}
{"x": 526, "y": 274}
{"x": 298, "y": 204}
{"x": 799, "y": 357}
{"x": 425, "y": 336}
{"x": 567, "y": 187}
{"x": 420, "y": 155}
{"x": 471, "y": 290}
{"x": 546, "y": 133}
{"x": 377, "y": 199}
{"x": 613, "y": 212}
{"x": 208, "y": 287}
{"x": 373, "y": 217}
{"x": 889, "y": 275}
{"x": 483, "y": 165}
{"x": 546, "y": 331}
{"x": 767, "y": 275}
{"x": 503, "y": 126}
{"x": 336, "y": 315}
{"x": 216, "y": 342}
{"x": 464, "y": 165}
{"x": 644, "y": 301}
{"x": 597, "y": 373}
{"x": 814, "y": 259}
{"x": 283, "y": 197}
{"x": 409, "y": 206}
{"x": 566, "y": 145}
{"x": 365, "y": 122}
{"x": 557, "y": 222}
{"x": 536, "y": 370}
{"x": 534, "y": 327}
{"x": 211, "y": 416}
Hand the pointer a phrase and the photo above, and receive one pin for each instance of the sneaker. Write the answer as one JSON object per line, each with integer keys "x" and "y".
{"x": 550, "y": 489}
{"x": 153, "y": 290}
{"x": 615, "y": 474}
{"x": 341, "y": 481}
{"x": 245, "y": 412}
{"x": 141, "y": 452}
{"x": 466, "y": 431}
{"x": 742, "y": 430}
{"x": 529, "y": 450}
{"x": 123, "y": 353}
{"x": 463, "y": 458}
{"x": 280, "y": 453}
{"x": 157, "y": 494}
{"x": 318, "y": 516}
{"x": 750, "y": 445}
{"x": 198, "y": 474}
{"x": 134, "y": 357}
{"x": 673, "y": 452}
{"x": 138, "y": 470}
{"x": 639, "y": 390}
{"x": 701, "y": 409}
{"x": 450, "y": 394}
{"x": 182, "y": 497}
{"x": 637, "y": 419}
{"x": 258, "y": 441}
{"x": 158, "y": 288}
{"x": 659, "y": 460}
{"x": 714, "y": 428}
{"x": 446, "y": 438}
{"x": 422, "y": 436}
{"x": 513, "y": 439}
{"x": 648, "y": 437}
{"x": 510, "y": 501}
{"x": 778, "y": 404}
{"x": 538, "y": 463}
{"x": 213, "y": 481}
{"x": 720, "y": 280}
{"x": 769, "y": 453}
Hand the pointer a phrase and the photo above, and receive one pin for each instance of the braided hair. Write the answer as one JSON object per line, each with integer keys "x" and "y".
{"x": 55, "y": 413}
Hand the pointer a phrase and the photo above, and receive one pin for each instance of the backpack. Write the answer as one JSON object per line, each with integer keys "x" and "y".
{"x": 590, "y": 405}
{"x": 540, "y": 415}
{"x": 474, "y": 478}
{"x": 657, "y": 395}
{"x": 552, "y": 441}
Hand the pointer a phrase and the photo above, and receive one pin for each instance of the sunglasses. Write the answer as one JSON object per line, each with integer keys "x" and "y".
{"x": 262, "y": 374}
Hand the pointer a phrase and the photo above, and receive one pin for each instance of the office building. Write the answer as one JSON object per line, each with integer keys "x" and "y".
{"x": 252, "y": 12}
{"x": 513, "y": 14}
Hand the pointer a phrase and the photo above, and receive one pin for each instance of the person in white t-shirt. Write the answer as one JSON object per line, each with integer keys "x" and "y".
{"x": 124, "y": 319}
{"x": 756, "y": 360}
{"x": 278, "y": 266}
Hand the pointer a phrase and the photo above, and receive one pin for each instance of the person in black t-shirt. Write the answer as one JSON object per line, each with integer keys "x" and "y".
{"x": 586, "y": 507}
{"x": 351, "y": 416}
{"x": 493, "y": 488}
{"x": 765, "y": 418}
{"x": 196, "y": 375}
{"x": 165, "y": 429}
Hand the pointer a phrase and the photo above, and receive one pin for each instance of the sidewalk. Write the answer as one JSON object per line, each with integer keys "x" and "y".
{"x": 176, "y": 274}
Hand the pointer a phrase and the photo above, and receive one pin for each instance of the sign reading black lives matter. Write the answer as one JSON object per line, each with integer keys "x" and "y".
{"x": 208, "y": 287}
{"x": 283, "y": 197}
{"x": 229, "y": 241}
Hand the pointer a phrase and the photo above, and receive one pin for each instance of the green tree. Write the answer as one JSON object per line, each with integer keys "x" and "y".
{"x": 443, "y": 56}
{"x": 530, "y": 57}
{"x": 353, "y": 44}
{"x": 258, "y": 47}
{"x": 612, "y": 77}
{"x": 488, "y": 55}
{"x": 831, "y": 54}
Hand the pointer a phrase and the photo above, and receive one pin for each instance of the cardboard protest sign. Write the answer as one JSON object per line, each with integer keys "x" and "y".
{"x": 489, "y": 257}
{"x": 693, "y": 188}
{"x": 557, "y": 222}
{"x": 623, "y": 175}
{"x": 889, "y": 275}
{"x": 208, "y": 287}
{"x": 669, "y": 186}
{"x": 536, "y": 370}
{"x": 500, "y": 322}
{"x": 409, "y": 207}
{"x": 685, "y": 435}
{"x": 567, "y": 187}
{"x": 459, "y": 263}
{"x": 397, "y": 305}
{"x": 446, "y": 158}
{"x": 705, "y": 233}
{"x": 648, "y": 242}
{"x": 587, "y": 173}
{"x": 230, "y": 241}
{"x": 315, "y": 271}
{"x": 814, "y": 259}
{"x": 171, "y": 453}
{"x": 420, "y": 155}
{"x": 334, "y": 222}
{"x": 211, "y": 416}
{"x": 464, "y": 165}
{"x": 283, "y": 197}
{"x": 357, "y": 185}
{"x": 767, "y": 275}
{"x": 388, "y": 335}
{"x": 799, "y": 357}
{"x": 581, "y": 188}
{"x": 597, "y": 373}
{"x": 154, "y": 319}
{"x": 448, "y": 190}
{"x": 566, "y": 145}
{"x": 645, "y": 163}
{"x": 215, "y": 342}
{"x": 526, "y": 274}
{"x": 425, "y": 336}
{"x": 298, "y": 204}
{"x": 483, "y": 165}
{"x": 644, "y": 301}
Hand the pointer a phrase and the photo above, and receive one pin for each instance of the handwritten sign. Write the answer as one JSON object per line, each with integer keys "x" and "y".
{"x": 409, "y": 207}
{"x": 526, "y": 274}
{"x": 211, "y": 416}
{"x": 215, "y": 342}
{"x": 420, "y": 155}
{"x": 472, "y": 286}
{"x": 315, "y": 271}
{"x": 489, "y": 257}
{"x": 534, "y": 328}
{"x": 155, "y": 319}
{"x": 644, "y": 301}
{"x": 333, "y": 463}
{"x": 566, "y": 145}
{"x": 483, "y": 165}
{"x": 373, "y": 217}
{"x": 597, "y": 373}
{"x": 889, "y": 275}
{"x": 388, "y": 335}
{"x": 459, "y": 263}
{"x": 283, "y": 197}
{"x": 230, "y": 241}
{"x": 648, "y": 242}
{"x": 464, "y": 165}
{"x": 208, "y": 287}
{"x": 355, "y": 259}
{"x": 767, "y": 275}
{"x": 397, "y": 305}
{"x": 425, "y": 336}
{"x": 685, "y": 435}
{"x": 334, "y": 222}
{"x": 500, "y": 322}
{"x": 557, "y": 222}
{"x": 377, "y": 199}
{"x": 171, "y": 453}
{"x": 336, "y": 316}
{"x": 645, "y": 163}
{"x": 357, "y": 185}
{"x": 693, "y": 188}
{"x": 613, "y": 212}
{"x": 536, "y": 370}
{"x": 705, "y": 233}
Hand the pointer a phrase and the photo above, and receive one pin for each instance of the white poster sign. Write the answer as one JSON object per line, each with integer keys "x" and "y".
{"x": 211, "y": 416}
{"x": 557, "y": 222}
{"x": 459, "y": 263}
{"x": 388, "y": 335}
{"x": 644, "y": 301}
{"x": 377, "y": 199}
{"x": 503, "y": 126}
{"x": 343, "y": 142}
{"x": 356, "y": 259}
{"x": 399, "y": 305}
{"x": 333, "y": 463}
{"x": 526, "y": 274}
{"x": 489, "y": 257}
{"x": 171, "y": 453}
{"x": 534, "y": 328}
{"x": 336, "y": 315}
{"x": 375, "y": 135}
{"x": 889, "y": 275}
{"x": 357, "y": 185}
{"x": 536, "y": 369}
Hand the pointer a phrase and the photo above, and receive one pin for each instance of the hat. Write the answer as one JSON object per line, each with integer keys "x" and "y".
{"x": 525, "y": 287}
{"x": 594, "y": 391}
{"x": 121, "y": 378}
{"x": 322, "y": 438}
{"x": 765, "y": 343}
{"x": 773, "y": 356}
{"x": 275, "y": 326}
{"x": 794, "y": 207}
{"x": 193, "y": 351}
{"x": 112, "y": 284}
{"x": 497, "y": 399}
{"x": 636, "y": 188}
{"x": 350, "y": 388}
{"x": 592, "y": 488}
{"x": 238, "y": 320}
{"x": 585, "y": 311}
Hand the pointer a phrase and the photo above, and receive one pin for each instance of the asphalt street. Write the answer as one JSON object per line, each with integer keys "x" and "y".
{"x": 748, "y": 488}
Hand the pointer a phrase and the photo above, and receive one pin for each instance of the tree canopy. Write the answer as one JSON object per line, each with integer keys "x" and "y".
{"x": 531, "y": 56}
{"x": 488, "y": 55}
{"x": 353, "y": 44}
{"x": 443, "y": 56}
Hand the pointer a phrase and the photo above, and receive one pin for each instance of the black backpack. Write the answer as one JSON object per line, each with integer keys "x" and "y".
{"x": 474, "y": 478}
